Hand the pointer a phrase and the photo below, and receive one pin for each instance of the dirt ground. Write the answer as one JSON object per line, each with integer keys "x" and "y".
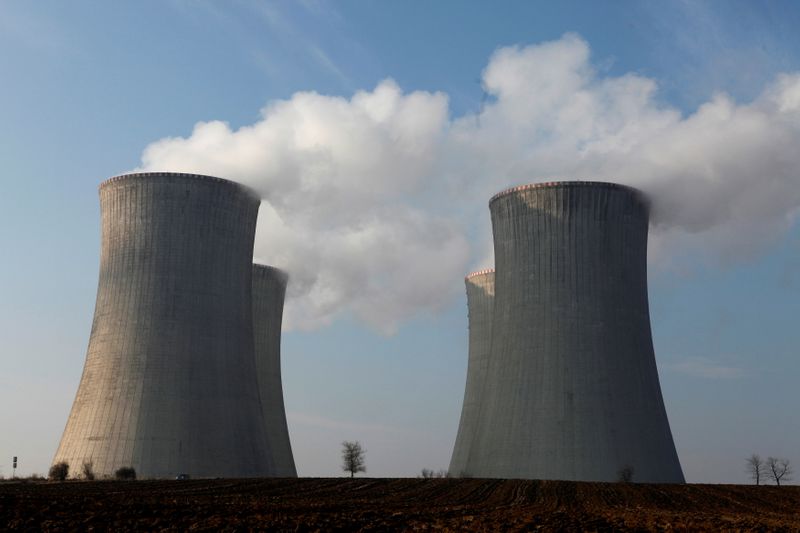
{"x": 393, "y": 504}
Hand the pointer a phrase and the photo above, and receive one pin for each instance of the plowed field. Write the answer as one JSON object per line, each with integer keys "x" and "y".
{"x": 394, "y": 504}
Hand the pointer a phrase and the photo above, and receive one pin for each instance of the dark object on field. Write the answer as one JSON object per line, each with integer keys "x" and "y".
{"x": 625, "y": 474}
{"x": 126, "y": 472}
{"x": 59, "y": 471}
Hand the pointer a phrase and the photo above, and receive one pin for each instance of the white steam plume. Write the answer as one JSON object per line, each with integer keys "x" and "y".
{"x": 369, "y": 202}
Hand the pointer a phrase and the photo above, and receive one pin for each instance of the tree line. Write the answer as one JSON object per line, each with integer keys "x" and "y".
{"x": 772, "y": 468}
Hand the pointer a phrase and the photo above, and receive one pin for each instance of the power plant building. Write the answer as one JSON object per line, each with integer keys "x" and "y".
{"x": 269, "y": 290}
{"x": 480, "y": 305}
{"x": 169, "y": 384}
{"x": 571, "y": 387}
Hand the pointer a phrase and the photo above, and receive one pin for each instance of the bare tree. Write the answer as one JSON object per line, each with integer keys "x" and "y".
{"x": 755, "y": 467}
{"x": 353, "y": 457}
{"x": 780, "y": 469}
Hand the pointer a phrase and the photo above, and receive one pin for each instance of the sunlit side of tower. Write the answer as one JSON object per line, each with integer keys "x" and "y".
{"x": 269, "y": 290}
{"x": 480, "y": 304}
{"x": 572, "y": 390}
{"x": 169, "y": 384}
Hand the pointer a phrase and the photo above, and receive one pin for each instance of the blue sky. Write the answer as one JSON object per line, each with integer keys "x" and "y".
{"x": 693, "y": 102}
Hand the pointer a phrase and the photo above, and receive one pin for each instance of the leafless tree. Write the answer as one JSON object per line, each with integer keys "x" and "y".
{"x": 755, "y": 467}
{"x": 353, "y": 457}
{"x": 780, "y": 469}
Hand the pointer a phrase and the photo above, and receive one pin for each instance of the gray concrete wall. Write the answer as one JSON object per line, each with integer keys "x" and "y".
{"x": 572, "y": 389}
{"x": 480, "y": 304}
{"x": 169, "y": 383}
{"x": 269, "y": 290}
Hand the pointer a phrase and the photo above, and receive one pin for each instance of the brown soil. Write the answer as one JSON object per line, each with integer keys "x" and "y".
{"x": 394, "y": 504}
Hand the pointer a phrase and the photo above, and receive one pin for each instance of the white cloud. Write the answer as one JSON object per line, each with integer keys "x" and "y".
{"x": 703, "y": 367}
{"x": 370, "y": 202}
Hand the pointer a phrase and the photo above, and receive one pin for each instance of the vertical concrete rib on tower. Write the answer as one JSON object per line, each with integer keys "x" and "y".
{"x": 480, "y": 304}
{"x": 169, "y": 383}
{"x": 269, "y": 289}
{"x": 572, "y": 389}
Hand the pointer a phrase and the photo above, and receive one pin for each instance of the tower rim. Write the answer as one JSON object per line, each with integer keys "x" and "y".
{"x": 269, "y": 269}
{"x": 179, "y": 175}
{"x": 569, "y": 184}
{"x": 481, "y": 272}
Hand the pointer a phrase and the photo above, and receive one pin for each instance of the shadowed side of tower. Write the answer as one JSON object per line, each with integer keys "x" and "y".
{"x": 480, "y": 304}
{"x": 572, "y": 389}
{"x": 169, "y": 384}
{"x": 269, "y": 290}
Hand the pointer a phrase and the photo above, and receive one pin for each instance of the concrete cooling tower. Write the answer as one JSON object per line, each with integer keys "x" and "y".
{"x": 169, "y": 384}
{"x": 269, "y": 289}
{"x": 572, "y": 389}
{"x": 480, "y": 304}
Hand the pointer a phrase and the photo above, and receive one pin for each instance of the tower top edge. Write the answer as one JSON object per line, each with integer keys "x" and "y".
{"x": 130, "y": 176}
{"x": 568, "y": 184}
{"x": 477, "y": 273}
{"x": 269, "y": 269}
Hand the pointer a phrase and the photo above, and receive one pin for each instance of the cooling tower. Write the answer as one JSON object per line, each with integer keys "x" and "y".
{"x": 571, "y": 388}
{"x": 269, "y": 289}
{"x": 169, "y": 384}
{"x": 480, "y": 304}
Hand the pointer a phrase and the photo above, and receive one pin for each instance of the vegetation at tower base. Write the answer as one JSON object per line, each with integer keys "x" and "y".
{"x": 480, "y": 304}
{"x": 269, "y": 290}
{"x": 571, "y": 390}
{"x": 59, "y": 471}
{"x": 169, "y": 383}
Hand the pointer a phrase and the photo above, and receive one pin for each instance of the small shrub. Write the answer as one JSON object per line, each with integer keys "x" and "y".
{"x": 427, "y": 473}
{"x": 126, "y": 472}
{"x": 625, "y": 474}
{"x": 59, "y": 471}
{"x": 88, "y": 471}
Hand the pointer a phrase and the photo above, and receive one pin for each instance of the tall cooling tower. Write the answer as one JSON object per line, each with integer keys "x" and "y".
{"x": 169, "y": 384}
{"x": 269, "y": 289}
{"x": 480, "y": 304}
{"x": 572, "y": 389}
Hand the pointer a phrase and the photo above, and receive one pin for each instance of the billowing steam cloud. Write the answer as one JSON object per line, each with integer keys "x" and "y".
{"x": 372, "y": 202}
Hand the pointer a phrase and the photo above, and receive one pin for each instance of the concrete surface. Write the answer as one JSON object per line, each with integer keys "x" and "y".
{"x": 269, "y": 290}
{"x": 572, "y": 389}
{"x": 480, "y": 304}
{"x": 169, "y": 383}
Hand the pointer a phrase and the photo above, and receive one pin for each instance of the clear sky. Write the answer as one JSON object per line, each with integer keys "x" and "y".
{"x": 376, "y": 132}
